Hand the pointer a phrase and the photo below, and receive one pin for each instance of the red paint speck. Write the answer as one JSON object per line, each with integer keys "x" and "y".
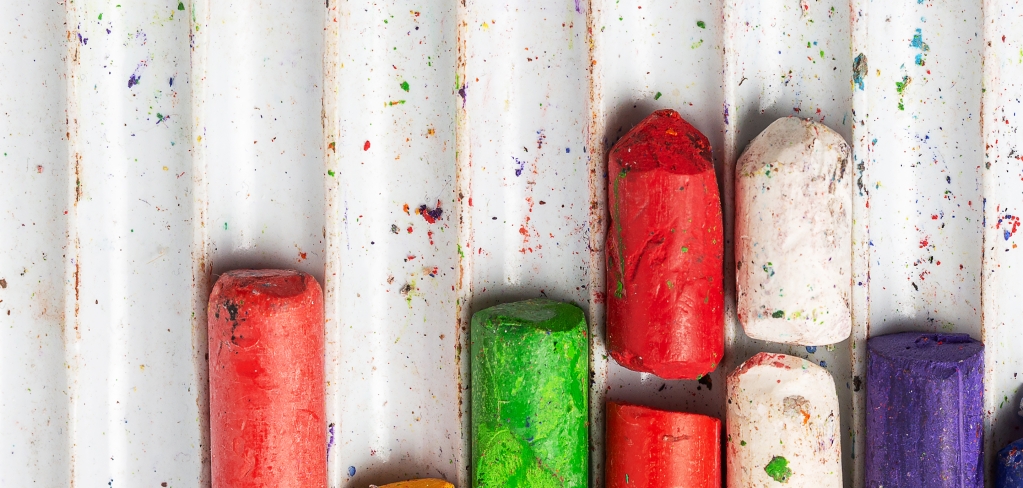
{"x": 523, "y": 231}
{"x": 429, "y": 234}
{"x": 39, "y": 169}
{"x": 934, "y": 217}
{"x": 301, "y": 256}
{"x": 365, "y": 147}
{"x": 923, "y": 243}
{"x": 410, "y": 229}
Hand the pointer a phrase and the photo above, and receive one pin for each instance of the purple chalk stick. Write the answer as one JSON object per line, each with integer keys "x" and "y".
{"x": 925, "y": 411}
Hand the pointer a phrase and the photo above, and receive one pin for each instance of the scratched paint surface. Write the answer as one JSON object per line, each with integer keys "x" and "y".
{"x": 1002, "y": 177}
{"x": 261, "y": 134}
{"x": 391, "y": 231}
{"x": 33, "y": 269}
{"x": 133, "y": 382}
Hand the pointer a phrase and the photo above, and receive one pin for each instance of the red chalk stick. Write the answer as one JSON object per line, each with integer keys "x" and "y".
{"x": 659, "y": 449}
{"x": 665, "y": 251}
{"x": 267, "y": 419}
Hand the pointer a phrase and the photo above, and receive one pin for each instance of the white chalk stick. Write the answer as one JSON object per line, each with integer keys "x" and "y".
{"x": 793, "y": 234}
{"x": 782, "y": 425}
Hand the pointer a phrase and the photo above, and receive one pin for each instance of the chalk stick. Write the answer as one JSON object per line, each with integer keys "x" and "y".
{"x": 782, "y": 424}
{"x": 793, "y": 234}
{"x": 665, "y": 249}
{"x": 267, "y": 419}
{"x": 647, "y": 447}
{"x": 925, "y": 411}
{"x": 423, "y": 483}
{"x": 1009, "y": 470}
{"x": 530, "y": 378}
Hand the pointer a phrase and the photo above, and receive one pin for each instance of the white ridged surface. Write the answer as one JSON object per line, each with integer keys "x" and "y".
{"x": 269, "y": 85}
{"x": 133, "y": 381}
{"x": 33, "y": 244}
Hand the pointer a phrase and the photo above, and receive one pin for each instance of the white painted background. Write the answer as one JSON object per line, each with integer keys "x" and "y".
{"x": 120, "y": 204}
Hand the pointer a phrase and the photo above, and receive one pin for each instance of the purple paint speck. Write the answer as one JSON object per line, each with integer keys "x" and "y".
{"x": 726, "y": 114}
{"x": 522, "y": 165}
{"x": 83, "y": 40}
{"x": 461, "y": 92}
{"x": 577, "y": 9}
{"x": 330, "y": 442}
{"x": 136, "y": 77}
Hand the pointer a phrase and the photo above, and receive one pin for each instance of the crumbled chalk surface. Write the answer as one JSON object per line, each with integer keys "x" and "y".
{"x": 793, "y": 234}
{"x": 782, "y": 424}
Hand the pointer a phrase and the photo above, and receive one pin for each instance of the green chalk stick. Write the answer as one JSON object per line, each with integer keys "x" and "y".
{"x": 530, "y": 363}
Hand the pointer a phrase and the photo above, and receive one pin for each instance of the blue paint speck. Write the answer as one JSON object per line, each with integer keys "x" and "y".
{"x": 1007, "y": 235}
{"x": 133, "y": 80}
{"x": 811, "y": 349}
{"x": 172, "y": 81}
{"x": 568, "y": 150}
{"x": 351, "y": 471}
{"x": 824, "y": 364}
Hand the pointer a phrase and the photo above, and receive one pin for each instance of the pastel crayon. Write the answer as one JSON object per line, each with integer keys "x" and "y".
{"x": 423, "y": 483}
{"x": 782, "y": 424}
{"x": 925, "y": 411}
{"x": 267, "y": 408}
{"x": 1009, "y": 470}
{"x": 530, "y": 378}
{"x": 793, "y": 234}
{"x": 654, "y": 448}
{"x": 665, "y": 251}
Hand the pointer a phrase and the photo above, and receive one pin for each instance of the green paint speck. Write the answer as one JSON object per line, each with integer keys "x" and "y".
{"x": 701, "y": 24}
{"x": 696, "y": 44}
{"x": 100, "y": 16}
{"x": 181, "y": 5}
{"x": 778, "y": 469}
{"x": 685, "y": 249}
{"x": 657, "y": 96}
{"x": 822, "y": 54}
{"x": 225, "y": 225}
{"x": 330, "y": 172}
{"x": 778, "y": 314}
{"x": 620, "y": 290}
{"x": 460, "y": 253}
{"x": 742, "y": 443}
{"x": 404, "y": 85}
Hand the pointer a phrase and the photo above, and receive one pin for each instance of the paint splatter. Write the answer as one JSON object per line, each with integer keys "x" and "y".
{"x": 394, "y": 102}
{"x": 430, "y": 215}
{"x": 900, "y": 87}
{"x": 136, "y": 76}
{"x": 701, "y": 24}
{"x": 578, "y": 8}
{"x": 521, "y": 164}
{"x": 1011, "y": 224}
{"x": 657, "y": 96}
{"x": 918, "y": 42}
{"x": 461, "y": 93}
{"x": 811, "y": 349}
{"x": 777, "y": 469}
{"x": 696, "y": 44}
{"x": 83, "y": 40}
{"x": 540, "y": 138}
{"x": 330, "y": 441}
{"x": 181, "y": 5}
{"x": 404, "y": 85}
{"x": 778, "y": 314}
{"x": 860, "y": 70}
{"x": 365, "y": 147}
{"x": 351, "y": 471}
{"x": 331, "y": 173}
